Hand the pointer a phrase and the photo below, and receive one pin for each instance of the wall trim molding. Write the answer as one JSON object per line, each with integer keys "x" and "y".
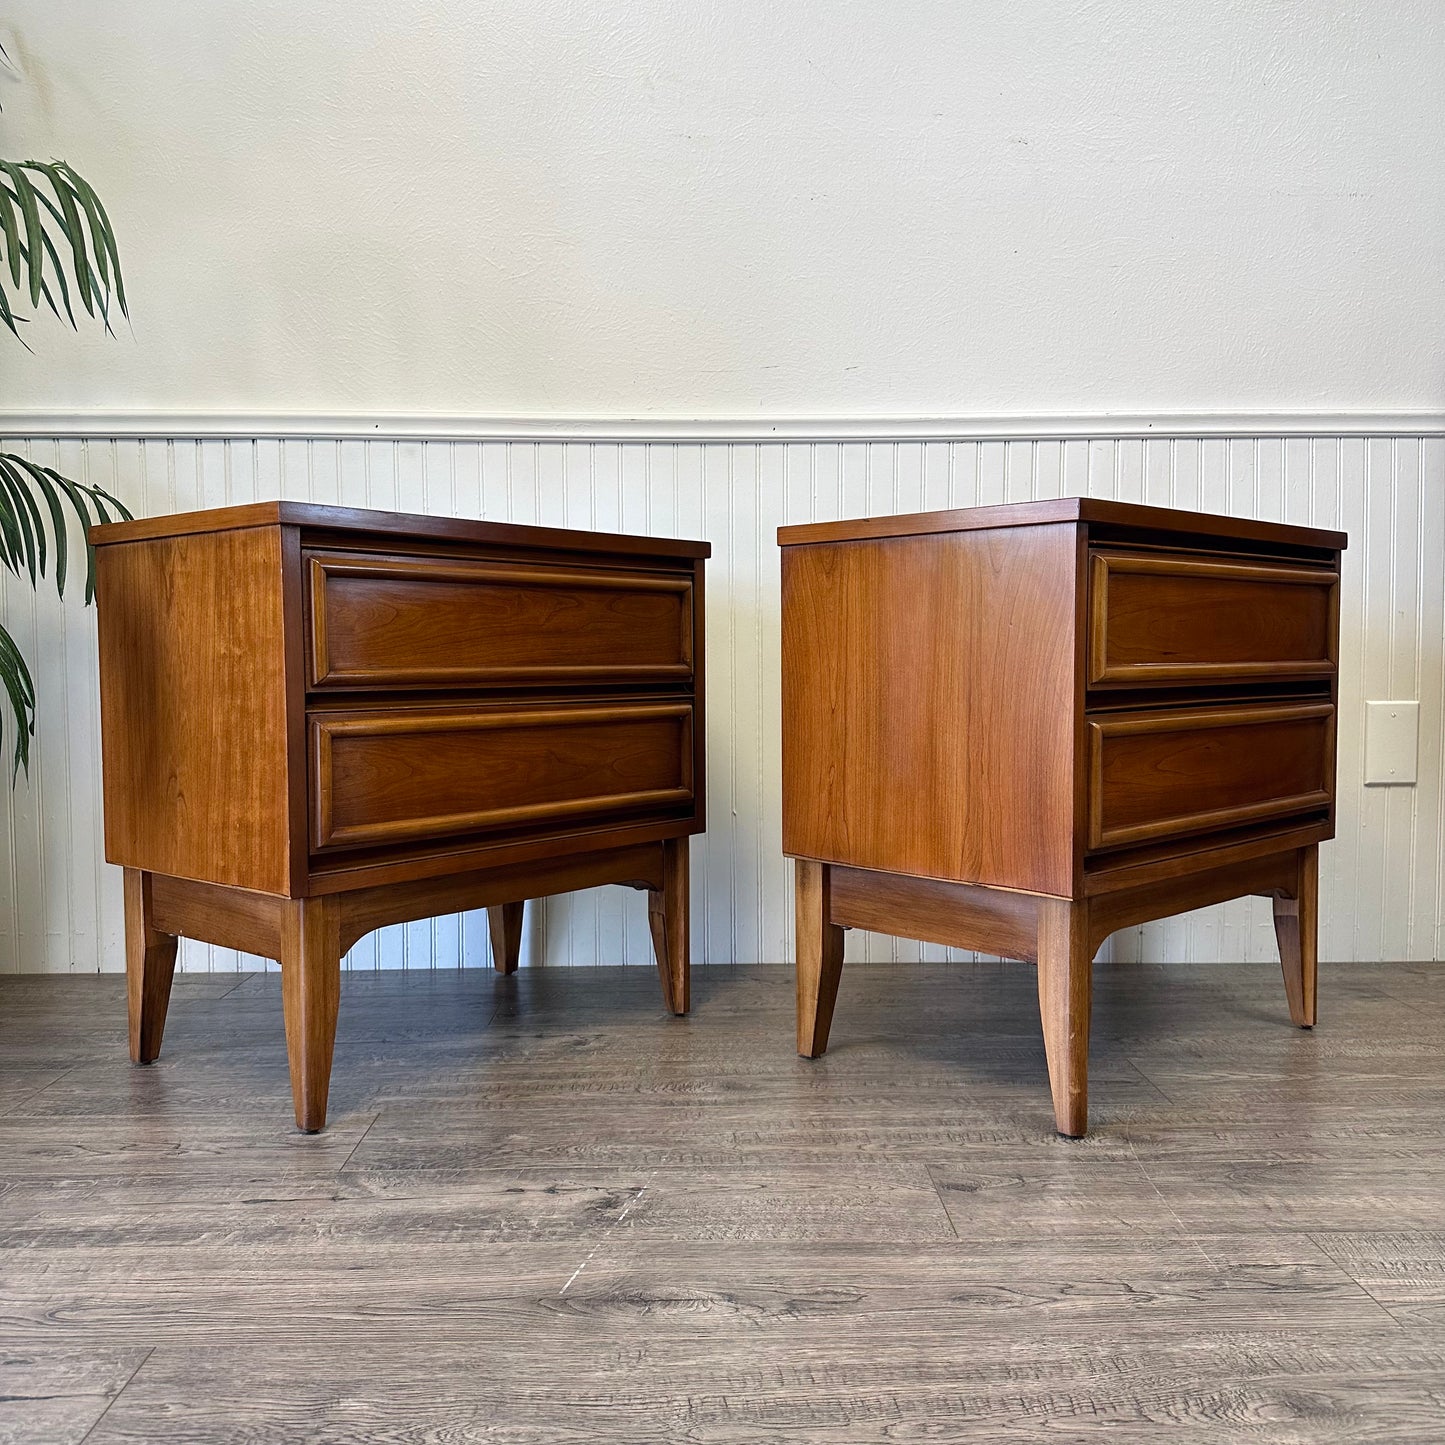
{"x": 423, "y": 426}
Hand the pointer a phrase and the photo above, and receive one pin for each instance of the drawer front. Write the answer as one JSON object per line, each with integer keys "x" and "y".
{"x": 436, "y": 622}
{"x": 1155, "y": 619}
{"x": 1154, "y": 775}
{"x": 394, "y": 776}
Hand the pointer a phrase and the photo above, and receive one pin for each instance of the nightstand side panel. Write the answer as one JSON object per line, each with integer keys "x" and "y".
{"x": 194, "y": 707}
{"x": 930, "y": 704}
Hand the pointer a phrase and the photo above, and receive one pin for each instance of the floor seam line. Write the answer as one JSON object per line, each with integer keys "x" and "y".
{"x": 352, "y": 1154}
{"x": 942, "y": 1202}
{"x": 109, "y": 1403}
{"x": 1189, "y": 1233}
{"x": 592, "y": 1254}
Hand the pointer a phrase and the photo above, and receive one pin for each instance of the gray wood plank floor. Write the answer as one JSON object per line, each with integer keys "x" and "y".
{"x": 545, "y": 1212}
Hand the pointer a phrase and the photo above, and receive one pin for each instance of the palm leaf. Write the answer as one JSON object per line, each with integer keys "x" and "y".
{"x": 18, "y": 502}
{"x": 24, "y": 192}
{"x": 47, "y": 208}
{"x": 44, "y": 203}
{"x": 26, "y": 532}
{"x": 20, "y": 693}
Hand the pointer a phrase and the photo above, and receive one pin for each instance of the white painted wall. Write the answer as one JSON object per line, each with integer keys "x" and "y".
{"x": 828, "y": 208}
{"x": 833, "y": 207}
{"x": 1382, "y": 880}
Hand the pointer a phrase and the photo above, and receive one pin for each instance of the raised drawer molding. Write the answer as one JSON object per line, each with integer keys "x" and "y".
{"x": 1020, "y": 728}
{"x": 318, "y": 721}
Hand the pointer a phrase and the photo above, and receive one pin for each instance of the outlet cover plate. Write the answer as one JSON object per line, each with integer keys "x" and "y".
{"x": 1392, "y": 742}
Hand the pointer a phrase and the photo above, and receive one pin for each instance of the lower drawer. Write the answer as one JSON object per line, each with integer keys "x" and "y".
{"x": 1192, "y": 770}
{"x": 398, "y": 775}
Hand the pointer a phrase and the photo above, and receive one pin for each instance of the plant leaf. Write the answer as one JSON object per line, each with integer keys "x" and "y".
{"x": 27, "y": 517}
{"x": 20, "y": 691}
{"x": 25, "y": 195}
{"x": 101, "y": 231}
{"x": 74, "y": 232}
{"x": 12, "y": 234}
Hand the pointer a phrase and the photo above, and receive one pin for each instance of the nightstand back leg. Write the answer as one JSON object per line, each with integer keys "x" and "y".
{"x": 820, "y": 956}
{"x": 504, "y": 923}
{"x": 667, "y": 917}
{"x": 150, "y": 965}
{"x": 1296, "y": 926}
{"x": 1065, "y": 960}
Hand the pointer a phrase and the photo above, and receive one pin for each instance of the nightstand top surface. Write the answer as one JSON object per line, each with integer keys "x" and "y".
{"x": 401, "y": 525}
{"x": 1062, "y": 509}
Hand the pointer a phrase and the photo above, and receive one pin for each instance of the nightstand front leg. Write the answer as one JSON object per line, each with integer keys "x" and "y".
{"x": 820, "y": 956}
{"x": 150, "y": 965}
{"x": 504, "y": 923}
{"x": 667, "y": 917}
{"x": 1296, "y": 926}
{"x": 310, "y": 994}
{"x": 1066, "y": 961}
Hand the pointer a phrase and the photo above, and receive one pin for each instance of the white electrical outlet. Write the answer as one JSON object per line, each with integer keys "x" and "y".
{"x": 1392, "y": 742}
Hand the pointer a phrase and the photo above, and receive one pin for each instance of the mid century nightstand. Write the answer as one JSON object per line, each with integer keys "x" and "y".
{"x": 319, "y": 721}
{"x": 1020, "y": 728}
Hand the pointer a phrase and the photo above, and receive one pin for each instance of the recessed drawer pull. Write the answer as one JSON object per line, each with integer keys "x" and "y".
{"x": 436, "y": 622}
{"x": 1166, "y": 774}
{"x": 1156, "y": 619}
{"x": 381, "y": 777}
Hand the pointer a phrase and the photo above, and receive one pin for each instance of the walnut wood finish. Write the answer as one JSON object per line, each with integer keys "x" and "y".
{"x": 1195, "y": 770}
{"x": 886, "y": 645}
{"x": 820, "y": 956}
{"x": 504, "y": 924}
{"x": 193, "y": 709}
{"x": 150, "y": 965}
{"x": 420, "y": 622}
{"x": 399, "y": 774}
{"x": 1296, "y": 926}
{"x": 318, "y": 721}
{"x": 1157, "y": 619}
{"x": 1064, "y": 955}
{"x": 310, "y": 995}
{"x": 667, "y": 917}
{"x": 1018, "y": 729}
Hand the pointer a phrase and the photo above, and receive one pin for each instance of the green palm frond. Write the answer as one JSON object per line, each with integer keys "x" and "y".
{"x": 57, "y": 246}
{"x": 49, "y": 211}
{"x": 37, "y": 505}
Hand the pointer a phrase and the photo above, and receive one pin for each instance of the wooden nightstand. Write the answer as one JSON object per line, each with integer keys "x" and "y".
{"x": 1019, "y": 728}
{"x": 319, "y": 721}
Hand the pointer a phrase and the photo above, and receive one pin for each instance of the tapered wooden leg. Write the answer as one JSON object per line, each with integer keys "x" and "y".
{"x": 820, "y": 957}
{"x": 1296, "y": 926}
{"x": 1065, "y": 992}
{"x": 310, "y": 993}
{"x": 667, "y": 917}
{"x": 150, "y": 965}
{"x": 504, "y": 923}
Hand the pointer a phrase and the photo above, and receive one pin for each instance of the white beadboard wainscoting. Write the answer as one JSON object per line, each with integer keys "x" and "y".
{"x": 1381, "y": 881}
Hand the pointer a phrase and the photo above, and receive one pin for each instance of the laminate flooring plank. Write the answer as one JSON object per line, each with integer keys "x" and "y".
{"x": 856, "y": 1303}
{"x": 842, "y": 1203}
{"x": 1281, "y": 1392}
{"x": 56, "y": 1396}
{"x": 187, "y": 1148}
{"x": 1403, "y": 1269}
{"x": 649, "y": 1133}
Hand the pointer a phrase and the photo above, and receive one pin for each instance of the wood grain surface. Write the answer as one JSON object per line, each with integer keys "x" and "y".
{"x": 540, "y": 1214}
{"x": 926, "y": 729}
{"x": 196, "y": 791}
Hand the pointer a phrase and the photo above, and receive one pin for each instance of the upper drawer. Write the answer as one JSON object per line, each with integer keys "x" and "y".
{"x": 1190, "y": 770}
{"x": 398, "y": 775}
{"x": 1157, "y": 619}
{"x": 436, "y": 622}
